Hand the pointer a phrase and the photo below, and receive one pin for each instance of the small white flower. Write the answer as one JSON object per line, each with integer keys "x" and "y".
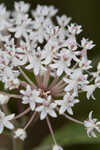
{"x": 40, "y": 11}
{"x": 3, "y": 99}
{"x": 62, "y": 63}
{"x": 86, "y": 44}
{"x": 77, "y": 81}
{"x": 71, "y": 43}
{"x": 24, "y": 52}
{"x": 5, "y": 22}
{"x": 22, "y": 7}
{"x": 84, "y": 63}
{"x": 89, "y": 89}
{"x": 5, "y": 121}
{"x": 46, "y": 108}
{"x": 20, "y": 133}
{"x": 10, "y": 78}
{"x": 75, "y": 29}
{"x": 21, "y": 27}
{"x": 36, "y": 62}
{"x": 50, "y": 50}
{"x": 52, "y": 11}
{"x": 63, "y": 21}
{"x": 44, "y": 11}
{"x": 92, "y": 125}
{"x": 67, "y": 103}
{"x": 96, "y": 74}
{"x": 31, "y": 97}
{"x": 57, "y": 147}
{"x": 40, "y": 26}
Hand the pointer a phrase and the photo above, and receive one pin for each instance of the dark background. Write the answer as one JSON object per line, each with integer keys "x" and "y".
{"x": 87, "y": 14}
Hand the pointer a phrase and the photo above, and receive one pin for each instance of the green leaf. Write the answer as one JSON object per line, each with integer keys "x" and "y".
{"x": 68, "y": 135}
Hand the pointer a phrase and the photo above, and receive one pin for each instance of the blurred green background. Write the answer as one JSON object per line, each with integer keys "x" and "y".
{"x": 70, "y": 135}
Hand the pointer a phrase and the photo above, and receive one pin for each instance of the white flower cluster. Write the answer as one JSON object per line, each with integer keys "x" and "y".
{"x": 50, "y": 51}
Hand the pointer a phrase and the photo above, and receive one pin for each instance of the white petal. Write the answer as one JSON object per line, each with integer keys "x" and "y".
{"x": 69, "y": 110}
{"x": 40, "y": 108}
{"x": 62, "y": 109}
{"x": 54, "y": 66}
{"x": 32, "y": 105}
{"x": 59, "y": 71}
{"x": 25, "y": 100}
{"x": 36, "y": 69}
{"x": 52, "y": 113}
{"x": 10, "y": 117}
{"x": 43, "y": 115}
{"x": 39, "y": 100}
{"x": 59, "y": 102}
{"x": 87, "y": 124}
{"x": 90, "y": 115}
{"x": 8, "y": 125}
{"x": 53, "y": 105}
{"x": 98, "y": 123}
{"x": 97, "y": 128}
{"x": 93, "y": 134}
{"x": 22, "y": 92}
{"x": 18, "y": 34}
{"x": 89, "y": 130}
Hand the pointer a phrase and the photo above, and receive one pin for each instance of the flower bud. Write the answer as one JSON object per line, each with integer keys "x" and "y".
{"x": 57, "y": 147}
{"x": 20, "y": 133}
{"x": 3, "y": 99}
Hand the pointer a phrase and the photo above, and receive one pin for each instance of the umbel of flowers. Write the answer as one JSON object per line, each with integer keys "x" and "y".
{"x": 50, "y": 51}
